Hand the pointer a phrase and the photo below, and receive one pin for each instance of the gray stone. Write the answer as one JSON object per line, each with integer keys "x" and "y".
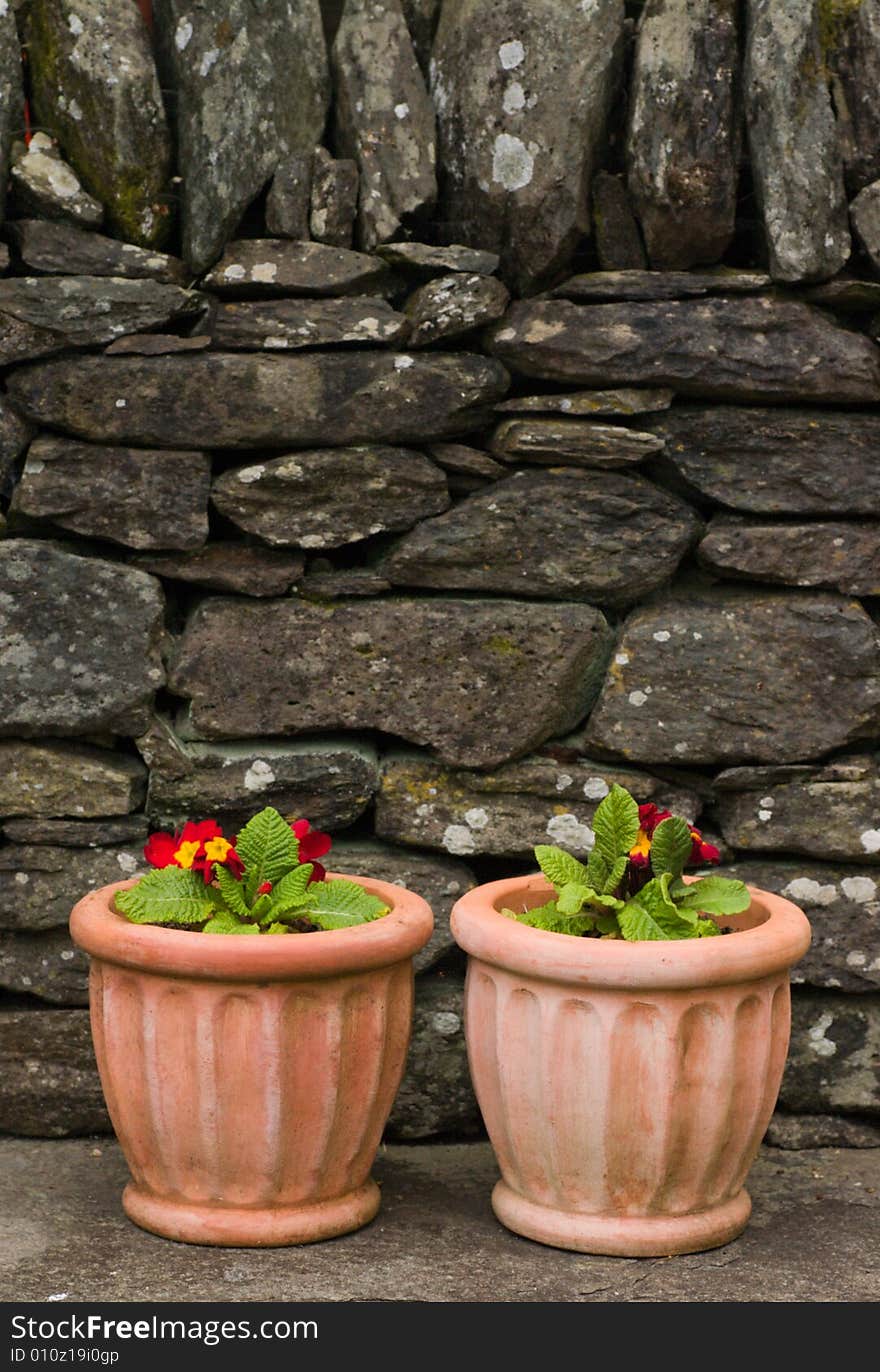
{"x": 279, "y": 325}
{"x": 623, "y": 402}
{"x": 832, "y": 1060}
{"x": 578, "y": 442}
{"x": 479, "y": 681}
{"x": 450, "y": 306}
{"x": 326, "y": 497}
{"x": 80, "y": 642}
{"x": 288, "y": 203}
{"x": 329, "y": 782}
{"x": 599, "y": 537}
{"x": 465, "y": 461}
{"x": 43, "y": 184}
{"x": 821, "y": 1131}
{"x": 736, "y": 349}
{"x": 47, "y": 314}
{"x": 384, "y": 118}
{"x": 239, "y": 568}
{"x": 249, "y": 92}
{"x": 275, "y": 266}
{"x": 776, "y": 461}
{"x": 46, "y": 966}
{"x": 333, "y": 582}
{"x": 334, "y": 199}
{"x": 78, "y": 833}
{"x": 661, "y": 285}
{"x": 851, "y": 43}
{"x": 615, "y": 231}
{"x": 842, "y": 904}
{"x": 865, "y": 215}
{"x": 421, "y": 18}
{"x": 11, "y": 97}
{"x": 797, "y": 168}
{"x": 162, "y": 750}
{"x": 439, "y": 880}
{"x": 49, "y": 1087}
{"x": 157, "y": 344}
{"x": 845, "y": 294}
{"x": 522, "y": 93}
{"x": 140, "y": 497}
{"x": 506, "y": 811}
{"x": 15, "y": 435}
{"x": 844, "y": 557}
{"x": 725, "y": 675}
{"x": 830, "y": 811}
{"x": 301, "y": 400}
{"x": 436, "y": 1096}
{"x": 93, "y": 83}
{"x": 61, "y": 249}
{"x": 39, "y": 884}
{"x": 72, "y": 779}
{"x": 683, "y": 138}
{"x": 431, "y": 259}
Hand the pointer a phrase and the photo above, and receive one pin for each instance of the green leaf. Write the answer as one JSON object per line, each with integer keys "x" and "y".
{"x": 269, "y": 849}
{"x": 279, "y": 929}
{"x": 671, "y": 845}
{"x": 705, "y": 928}
{"x": 573, "y": 897}
{"x": 560, "y": 867}
{"x": 171, "y": 895}
{"x": 607, "y": 924}
{"x": 226, "y": 923}
{"x": 652, "y": 915}
{"x": 231, "y": 890}
{"x": 716, "y": 896}
{"x": 615, "y": 876}
{"x": 338, "y": 904}
{"x": 665, "y": 882}
{"x": 548, "y": 917}
{"x": 597, "y": 870}
{"x": 290, "y": 893}
{"x": 616, "y": 824}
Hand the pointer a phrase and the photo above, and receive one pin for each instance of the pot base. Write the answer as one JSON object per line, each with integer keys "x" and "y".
{"x": 244, "y": 1227}
{"x": 623, "y": 1236}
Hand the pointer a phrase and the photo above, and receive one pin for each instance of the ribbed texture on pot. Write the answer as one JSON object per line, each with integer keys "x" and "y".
{"x": 272, "y": 1095}
{"x": 598, "y": 1103}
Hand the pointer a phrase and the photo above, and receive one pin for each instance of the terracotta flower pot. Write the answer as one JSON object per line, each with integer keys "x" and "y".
{"x": 249, "y": 1079}
{"x": 625, "y": 1086}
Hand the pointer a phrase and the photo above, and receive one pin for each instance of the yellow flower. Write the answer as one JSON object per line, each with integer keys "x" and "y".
{"x": 642, "y": 845}
{"x": 186, "y": 854}
{"x": 216, "y": 849}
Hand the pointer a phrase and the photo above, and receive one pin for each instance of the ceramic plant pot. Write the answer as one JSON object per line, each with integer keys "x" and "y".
{"x": 625, "y": 1086}
{"x": 249, "y": 1079}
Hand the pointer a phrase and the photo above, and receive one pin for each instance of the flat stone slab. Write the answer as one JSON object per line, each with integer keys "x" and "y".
{"x": 240, "y": 568}
{"x": 623, "y": 402}
{"x": 49, "y": 780}
{"x": 451, "y": 306}
{"x": 42, "y": 183}
{"x": 62, "y": 249}
{"x": 735, "y": 348}
{"x": 278, "y": 325}
{"x": 435, "y": 1239}
{"x": 429, "y": 258}
{"x": 275, "y": 266}
{"x": 645, "y": 285}
{"x": 575, "y": 442}
{"x": 44, "y": 965}
{"x": 479, "y": 681}
{"x": 728, "y": 675}
{"x": 843, "y": 556}
{"x": 280, "y": 402}
{"x": 40, "y": 884}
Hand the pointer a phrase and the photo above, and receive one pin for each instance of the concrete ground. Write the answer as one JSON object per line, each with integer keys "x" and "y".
{"x": 814, "y": 1236}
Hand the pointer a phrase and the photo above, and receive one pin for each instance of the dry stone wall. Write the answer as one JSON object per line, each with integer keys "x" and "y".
{"x": 420, "y": 415}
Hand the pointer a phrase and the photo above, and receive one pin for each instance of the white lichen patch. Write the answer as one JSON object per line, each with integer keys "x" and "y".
{"x": 74, "y": 23}
{"x": 258, "y": 776}
{"x": 637, "y": 698}
{"x": 810, "y": 892}
{"x": 856, "y": 958}
{"x": 870, "y": 840}
{"x": 563, "y": 781}
{"x": 182, "y": 34}
{"x": 595, "y": 788}
{"x": 445, "y": 1022}
{"x": 401, "y": 110}
{"x": 234, "y": 273}
{"x": 458, "y": 839}
{"x": 570, "y": 832}
{"x": 662, "y": 636}
{"x": 764, "y": 815}
{"x": 249, "y": 474}
{"x": 512, "y": 163}
{"x": 513, "y": 99}
{"x": 859, "y": 889}
{"x": 264, "y": 271}
{"x": 402, "y": 362}
{"x": 820, "y": 1044}
{"x": 477, "y": 818}
{"x": 511, "y": 54}
{"x": 622, "y": 659}
{"x": 121, "y": 403}
{"x": 127, "y": 862}
{"x": 208, "y": 60}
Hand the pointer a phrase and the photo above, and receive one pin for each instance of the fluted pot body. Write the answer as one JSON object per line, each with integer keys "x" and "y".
{"x": 249, "y": 1079}
{"x": 625, "y": 1086}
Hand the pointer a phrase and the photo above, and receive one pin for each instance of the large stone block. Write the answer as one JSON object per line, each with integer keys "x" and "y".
{"x": 49, "y": 780}
{"x": 522, "y": 93}
{"x": 250, "y": 86}
{"x": 80, "y": 642}
{"x": 49, "y": 1086}
{"x": 93, "y": 83}
{"x": 506, "y": 811}
{"x": 274, "y": 266}
{"x": 11, "y": 96}
{"x": 46, "y": 966}
{"x": 279, "y": 325}
{"x": 843, "y": 556}
{"x": 600, "y": 537}
{"x": 851, "y": 39}
{"x": 236, "y": 400}
{"x": 749, "y": 349}
{"x": 61, "y": 249}
{"x": 436, "y": 1095}
{"x": 479, "y": 681}
{"x": 40, "y": 884}
{"x": 239, "y": 568}
{"x": 731, "y": 676}
{"x": 834, "y": 1055}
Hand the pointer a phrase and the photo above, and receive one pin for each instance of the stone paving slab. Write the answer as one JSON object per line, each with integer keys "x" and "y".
{"x": 814, "y": 1236}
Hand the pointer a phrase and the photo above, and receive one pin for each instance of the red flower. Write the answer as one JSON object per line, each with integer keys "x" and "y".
{"x": 701, "y": 851}
{"x": 650, "y": 816}
{"x": 264, "y": 889}
{"x": 318, "y": 872}
{"x": 312, "y": 843}
{"x": 196, "y": 848}
{"x": 159, "y": 850}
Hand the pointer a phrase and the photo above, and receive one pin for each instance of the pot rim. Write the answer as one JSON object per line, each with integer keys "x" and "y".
{"x": 772, "y": 946}
{"x": 103, "y": 933}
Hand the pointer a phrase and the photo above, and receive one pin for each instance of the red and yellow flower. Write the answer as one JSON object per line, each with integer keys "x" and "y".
{"x": 649, "y": 817}
{"x": 312, "y": 845}
{"x": 197, "y": 847}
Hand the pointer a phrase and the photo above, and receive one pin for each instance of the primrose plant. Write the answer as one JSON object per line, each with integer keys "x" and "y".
{"x": 266, "y": 881}
{"x": 632, "y": 886}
